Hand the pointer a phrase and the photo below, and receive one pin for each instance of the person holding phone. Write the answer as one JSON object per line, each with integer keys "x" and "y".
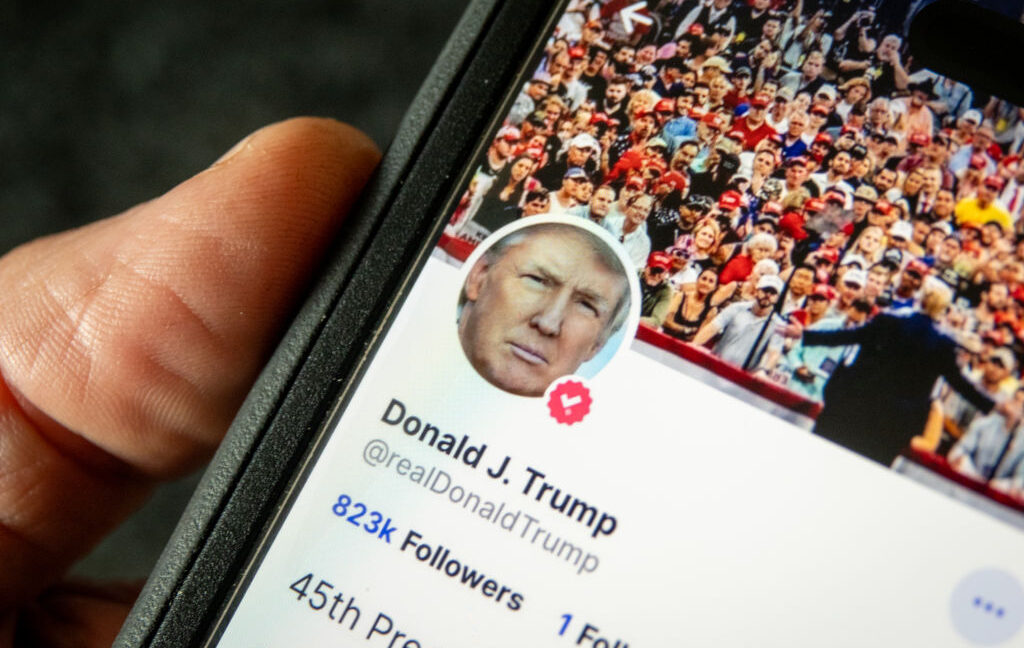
{"x": 129, "y": 344}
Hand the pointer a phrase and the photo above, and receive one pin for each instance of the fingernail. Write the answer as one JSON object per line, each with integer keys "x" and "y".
{"x": 234, "y": 150}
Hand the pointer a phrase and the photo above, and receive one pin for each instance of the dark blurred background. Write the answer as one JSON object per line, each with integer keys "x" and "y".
{"x": 105, "y": 104}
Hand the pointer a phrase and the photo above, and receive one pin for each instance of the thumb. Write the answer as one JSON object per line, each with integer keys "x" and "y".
{"x": 126, "y": 346}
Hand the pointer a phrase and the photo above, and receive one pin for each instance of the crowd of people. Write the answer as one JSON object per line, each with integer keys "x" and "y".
{"x": 774, "y": 164}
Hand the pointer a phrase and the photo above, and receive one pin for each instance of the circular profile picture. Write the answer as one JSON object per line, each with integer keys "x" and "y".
{"x": 543, "y": 298}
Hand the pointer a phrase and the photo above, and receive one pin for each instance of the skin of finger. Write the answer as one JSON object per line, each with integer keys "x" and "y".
{"x": 127, "y": 346}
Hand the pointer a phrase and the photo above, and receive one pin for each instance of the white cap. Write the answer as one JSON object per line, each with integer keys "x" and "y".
{"x": 828, "y": 90}
{"x": 972, "y": 116}
{"x": 851, "y": 259}
{"x": 901, "y": 229}
{"x": 858, "y": 277}
{"x": 585, "y": 140}
{"x": 770, "y": 281}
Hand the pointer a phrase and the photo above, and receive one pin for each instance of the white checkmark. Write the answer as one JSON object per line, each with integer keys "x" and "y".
{"x": 569, "y": 401}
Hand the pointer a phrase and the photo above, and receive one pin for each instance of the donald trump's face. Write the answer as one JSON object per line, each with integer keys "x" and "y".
{"x": 538, "y": 308}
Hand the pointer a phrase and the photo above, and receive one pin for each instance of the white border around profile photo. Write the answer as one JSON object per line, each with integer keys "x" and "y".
{"x": 619, "y": 342}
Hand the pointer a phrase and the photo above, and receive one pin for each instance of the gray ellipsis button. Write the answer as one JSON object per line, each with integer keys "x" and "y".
{"x": 987, "y": 607}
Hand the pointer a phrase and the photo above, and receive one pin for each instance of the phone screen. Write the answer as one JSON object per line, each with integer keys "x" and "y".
{"x": 721, "y": 346}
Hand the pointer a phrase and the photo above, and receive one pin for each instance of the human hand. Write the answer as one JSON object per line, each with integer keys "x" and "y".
{"x": 126, "y": 346}
{"x": 791, "y": 329}
{"x": 1009, "y": 410}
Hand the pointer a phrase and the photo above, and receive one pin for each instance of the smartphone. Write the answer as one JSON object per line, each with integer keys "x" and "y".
{"x": 662, "y": 324}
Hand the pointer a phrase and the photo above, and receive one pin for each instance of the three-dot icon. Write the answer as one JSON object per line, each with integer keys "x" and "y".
{"x": 987, "y": 607}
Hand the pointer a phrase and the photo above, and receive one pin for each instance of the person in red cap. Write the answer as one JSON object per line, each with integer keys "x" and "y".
{"x": 905, "y": 295}
{"x": 824, "y": 259}
{"x": 664, "y": 111}
{"x": 634, "y": 187}
{"x": 984, "y": 208}
{"x": 499, "y": 152}
{"x": 669, "y": 81}
{"x": 753, "y": 125}
{"x": 655, "y": 289}
{"x": 882, "y": 214}
{"x": 663, "y": 223}
{"x": 792, "y": 224}
{"x": 709, "y": 129}
{"x": 821, "y": 145}
{"x": 647, "y": 161}
{"x": 822, "y": 296}
{"x": 642, "y": 127}
{"x": 969, "y": 179}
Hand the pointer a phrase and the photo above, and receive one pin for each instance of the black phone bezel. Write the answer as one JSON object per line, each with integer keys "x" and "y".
{"x": 381, "y": 245}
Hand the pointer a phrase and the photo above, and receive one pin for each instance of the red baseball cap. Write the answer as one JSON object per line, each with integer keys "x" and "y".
{"x": 814, "y": 205}
{"x": 835, "y": 195}
{"x": 577, "y": 52}
{"x": 830, "y": 254}
{"x": 792, "y": 223}
{"x": 659, "y": 259}
{"x": 995, "y": 182}
{"x": 824, "y": 290}
{"x": 642, "y": 112}
{"x": 918, "y": 266}
{"x": 665, "y": 105}
{"x": 819, "y": 110}
{"x": 759, "y": 101}
{"x": 920, "y": 139}
{"x": 677, "y": 180}
{"x": 882, "y": 207}
{"x": 823, "y": 137}
{"x": 730, "y": 200}
{"x": 772, "y": 207}
{"x": 696, "y": 29}
{"x": 978, "y": 161}
{"x": 509, "y": 134}
{"x": 697, "y": 113}
{"x": 736, "y": 134}
{"x": 713, "y": 119}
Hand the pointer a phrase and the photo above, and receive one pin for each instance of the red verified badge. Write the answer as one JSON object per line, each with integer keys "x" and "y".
{"x": 569, "y": 400}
